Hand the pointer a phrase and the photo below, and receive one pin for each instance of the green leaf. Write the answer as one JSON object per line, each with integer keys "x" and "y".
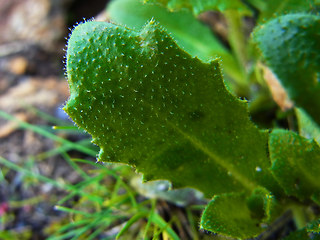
{"x": 307, "y": 127}
{"x": 270, "y": 8}
{"x": 263, "y": 205}
{"x": 200, "y": 6}
{"x": 235, "y": 215}
{"x": 295, "y": 163}
{"x": 148, "y": 104}
{"x": 182, "y": 26}
{"x": 290, "y": 46}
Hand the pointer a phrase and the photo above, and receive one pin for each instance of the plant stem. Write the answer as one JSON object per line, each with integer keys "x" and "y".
{"x": 236, "y": 37}
{"x": 238, "y": 45}
{"x": 299, "y": 216}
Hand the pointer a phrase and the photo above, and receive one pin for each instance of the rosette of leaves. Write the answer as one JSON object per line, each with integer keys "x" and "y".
{"x": 149, "y": 104}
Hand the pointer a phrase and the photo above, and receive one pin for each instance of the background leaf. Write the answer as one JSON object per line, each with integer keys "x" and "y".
{"x": 271, "y": 8}
{"x": 200, "y": 6}
{"x": 290, "y": 45}
{"x": 149, "y": 104}
{"x": 295, "y": 163}
{"x": 182, "y": 26}
{"x": 307, "y": 127}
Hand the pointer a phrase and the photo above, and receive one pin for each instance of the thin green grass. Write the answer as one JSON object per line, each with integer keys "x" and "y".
{"x": 102, "y": 206}
{"x": 47, "y": 117}
{"x": 62, "y": 148}
{"x": 47, "y": 134}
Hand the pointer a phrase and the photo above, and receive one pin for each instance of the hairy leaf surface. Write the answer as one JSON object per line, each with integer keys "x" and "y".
{"x": 182, "y": 26}
{"x": 148, "y": 104}
{"x": 200, "y": 6}
{"x": 238, "y": 216}
{"x": 295, "y": 163}
{"x": 290, "y": 45}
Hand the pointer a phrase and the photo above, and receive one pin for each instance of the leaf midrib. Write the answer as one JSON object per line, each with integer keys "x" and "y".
{"x": 249, "y": 185}
{"x": 224, "y": 164}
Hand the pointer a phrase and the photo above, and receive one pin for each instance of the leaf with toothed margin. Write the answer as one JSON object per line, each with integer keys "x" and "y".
{"x": 148, "y": 104}
{"x": 290, "y": 46}
{"x": 200, "y": 6}
{"x": 182, "y": 26}
{"x": 237, "y": 215}
{"x": 295, "y": 163}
